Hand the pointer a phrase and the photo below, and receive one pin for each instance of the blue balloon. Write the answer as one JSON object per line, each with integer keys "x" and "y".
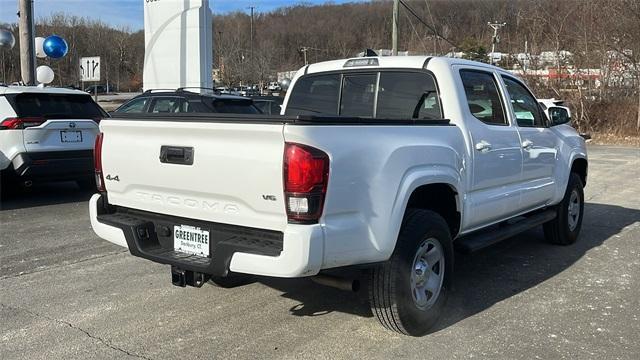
{"x": 55, "y": 47}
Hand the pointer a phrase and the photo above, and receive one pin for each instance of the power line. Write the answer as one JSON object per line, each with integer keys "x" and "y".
{"x": 436, "y": 48}
{"x": 306, "y": 49}
{"x": 435, "y": 32}
{"x": 416, "y": 32}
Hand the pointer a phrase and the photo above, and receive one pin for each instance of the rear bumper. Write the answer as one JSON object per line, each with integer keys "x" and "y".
{"x": 296, "y": 252}
{"x": 58, "y": 165}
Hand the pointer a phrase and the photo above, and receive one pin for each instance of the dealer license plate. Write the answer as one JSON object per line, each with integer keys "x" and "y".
{"x": 191, "y": 240}
{"x": 71, "y": 136}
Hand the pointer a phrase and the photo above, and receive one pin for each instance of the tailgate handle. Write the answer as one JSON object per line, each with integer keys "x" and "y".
{"x": 180, "y": 155}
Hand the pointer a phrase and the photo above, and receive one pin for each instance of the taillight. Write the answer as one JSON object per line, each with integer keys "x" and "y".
{"x": 97, "y": 162}
{"x": 21, "y": 122}
{"x": 306, "y": 175}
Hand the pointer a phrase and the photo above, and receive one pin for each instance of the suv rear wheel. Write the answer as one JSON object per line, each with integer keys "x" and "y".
{"x": 408, "y": 292}
{"x": 8, "y": 184}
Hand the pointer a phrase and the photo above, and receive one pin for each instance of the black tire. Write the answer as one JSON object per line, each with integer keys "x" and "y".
{"x": 391, "y": 293}
{"x": 8, "y": 185}
{"x": 231, "y": 280}
{"x": 88, "y": 184}
{"x": 559, "y": 230}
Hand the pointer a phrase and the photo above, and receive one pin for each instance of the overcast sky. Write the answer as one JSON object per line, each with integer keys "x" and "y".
{"x": 129, "y": 12}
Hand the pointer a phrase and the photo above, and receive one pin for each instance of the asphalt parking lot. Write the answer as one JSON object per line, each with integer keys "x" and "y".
{"x": 65, "y": 294}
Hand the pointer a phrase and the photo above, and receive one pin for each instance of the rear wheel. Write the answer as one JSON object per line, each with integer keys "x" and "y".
{"x": 408, "y": 292}
{"x": 8, "y": 184}
{"x": 565, "y": 228}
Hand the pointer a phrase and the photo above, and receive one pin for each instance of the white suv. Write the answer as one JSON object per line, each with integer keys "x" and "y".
{"x": 47, "y": 134}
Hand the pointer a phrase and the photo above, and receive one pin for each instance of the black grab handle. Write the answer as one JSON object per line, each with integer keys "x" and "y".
{"x": 180, "y": 155}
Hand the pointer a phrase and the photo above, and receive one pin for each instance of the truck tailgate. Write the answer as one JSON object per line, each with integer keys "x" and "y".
{"x": 235, "y": 176}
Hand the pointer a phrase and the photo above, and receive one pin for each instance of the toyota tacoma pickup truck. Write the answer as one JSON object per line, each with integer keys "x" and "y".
{"x": 381, "y": 163}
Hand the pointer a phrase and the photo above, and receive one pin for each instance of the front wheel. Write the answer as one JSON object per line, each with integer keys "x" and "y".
{"x": 408, "y": 292}
{"x": 565, "y": 228}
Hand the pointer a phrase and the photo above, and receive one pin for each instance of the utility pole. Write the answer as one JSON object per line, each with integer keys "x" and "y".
{"x": 304, "y": 51}
{"x": 220, "y": 65}
{"x": 251, "y": 37}
{"x": 394, "y": 31}
{"x": 27, "y": 43}
{"x": 495, "y": 39}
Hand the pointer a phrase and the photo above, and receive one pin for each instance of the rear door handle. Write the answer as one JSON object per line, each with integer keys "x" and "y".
{"x": 483, "y": 146}
{"x": 180, "y": 155}
{"x": 527, "y": 144}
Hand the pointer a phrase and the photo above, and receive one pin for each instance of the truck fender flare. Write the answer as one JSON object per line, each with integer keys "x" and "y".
{"x": 564, "y": 180}
{"x": 413, "y": 179}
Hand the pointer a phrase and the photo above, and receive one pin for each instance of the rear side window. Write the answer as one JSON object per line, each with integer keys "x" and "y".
{"x": 231, "y": 106}
{"x": 268, "y": 107}
{"x": 408, "y": 96}
{"x": 483, "y": 98}
{"x": 56, "y": 106}
{"x": 169, "y": 105}
{"x": 315, "y": 95}
{"x": 134, "y": 106}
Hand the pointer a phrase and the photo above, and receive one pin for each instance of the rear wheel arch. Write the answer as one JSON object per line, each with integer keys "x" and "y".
{"x": 441, "y": 198}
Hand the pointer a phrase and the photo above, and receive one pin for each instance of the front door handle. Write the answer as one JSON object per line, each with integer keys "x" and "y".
{"x": 483, "y": 146}
{"x": 527, "y": 144}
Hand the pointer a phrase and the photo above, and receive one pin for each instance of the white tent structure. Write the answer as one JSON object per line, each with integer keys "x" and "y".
{"x": 178, "y": 44}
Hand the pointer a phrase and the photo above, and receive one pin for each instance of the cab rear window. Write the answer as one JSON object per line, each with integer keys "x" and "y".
{"x": 382, "y": 95}
{"x": 56, "y": 106}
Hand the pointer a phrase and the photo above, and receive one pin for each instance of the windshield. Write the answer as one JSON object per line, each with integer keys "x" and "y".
{"x": 383, "y": 95}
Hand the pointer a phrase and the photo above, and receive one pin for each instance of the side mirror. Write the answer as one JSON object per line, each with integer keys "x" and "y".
{"x": 558, "y": 115}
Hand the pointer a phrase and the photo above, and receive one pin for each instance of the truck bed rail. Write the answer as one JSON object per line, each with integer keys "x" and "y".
{"x": 266, "y": 119}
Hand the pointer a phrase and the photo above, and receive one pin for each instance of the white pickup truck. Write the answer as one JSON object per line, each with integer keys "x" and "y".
{"x": 385, "y": 163}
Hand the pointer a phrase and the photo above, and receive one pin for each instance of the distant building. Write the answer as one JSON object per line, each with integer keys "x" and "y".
{"x": 555, "y": 57}
{"x": 495, "y": 57}
{"x": 456, "y": 55}
{"x": 569, "y": 76}
{"x": 388, "y": 52}
{"x": 286, "y": 75}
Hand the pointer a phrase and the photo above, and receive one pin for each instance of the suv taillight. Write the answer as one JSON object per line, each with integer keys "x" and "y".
{"x": 306, "y": 175}
{"x": 97, "y": 162}
{"x": 21, "y": 122}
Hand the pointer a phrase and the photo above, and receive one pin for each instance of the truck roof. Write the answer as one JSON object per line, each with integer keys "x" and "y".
{"x": 34, "y": 89}
{"x": 403, "y": 62}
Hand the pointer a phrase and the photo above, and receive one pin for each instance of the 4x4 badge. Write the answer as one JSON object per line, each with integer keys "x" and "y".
{"x": 113, "y": 178}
